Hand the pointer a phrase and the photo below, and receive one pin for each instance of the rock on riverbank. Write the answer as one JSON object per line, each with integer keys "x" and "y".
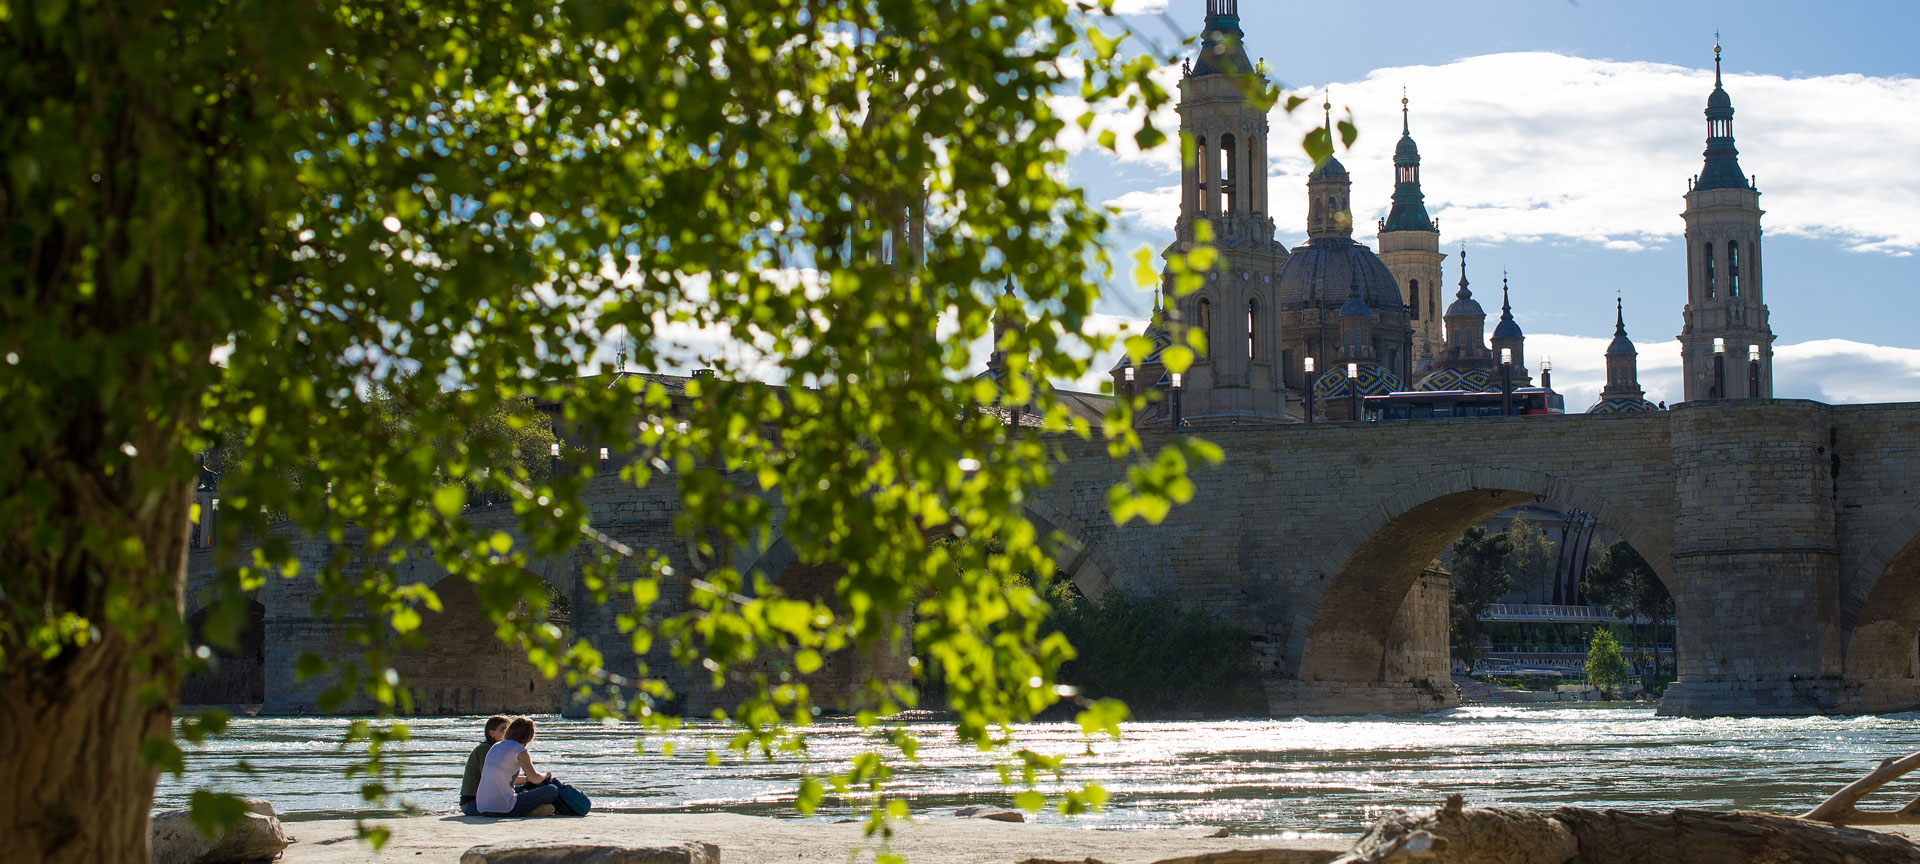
{"x": 761, "y": 840}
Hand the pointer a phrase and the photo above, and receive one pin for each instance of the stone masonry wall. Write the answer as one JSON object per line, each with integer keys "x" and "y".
{"x": 1787, "y": 529}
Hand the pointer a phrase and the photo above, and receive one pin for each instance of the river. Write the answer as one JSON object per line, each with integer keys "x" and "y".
{"x": 1301, "y": 777}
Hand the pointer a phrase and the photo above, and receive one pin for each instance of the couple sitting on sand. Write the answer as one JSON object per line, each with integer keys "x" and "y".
{"x": 501, "y": 780}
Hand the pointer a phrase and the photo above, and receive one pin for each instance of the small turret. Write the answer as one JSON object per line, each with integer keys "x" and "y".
{"x": 1507, "y": 335}
{"x": 1466, "y": 324}
{"x": 1329, "y": 194}
{"x": 1622, "y": 391}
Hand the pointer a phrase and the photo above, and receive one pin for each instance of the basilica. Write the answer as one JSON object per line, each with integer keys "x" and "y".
{"x": 1291, "y": 334}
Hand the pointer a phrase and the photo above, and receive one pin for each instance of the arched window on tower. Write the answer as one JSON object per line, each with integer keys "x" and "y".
{"x": 1720, "y": 127}
{"x": 1253, "y": 329}
{"x": 1413, "y": 298}
{"x": 1229, "y": 175}
{"x": 1733, "y": 269}
{"x": 1712, "y": 290}
{"x": 1202, "y": 158}
{"x": 1206, "y": 320}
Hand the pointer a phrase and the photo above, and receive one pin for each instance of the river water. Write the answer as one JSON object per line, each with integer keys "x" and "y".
{"x": 1301, "y": 777}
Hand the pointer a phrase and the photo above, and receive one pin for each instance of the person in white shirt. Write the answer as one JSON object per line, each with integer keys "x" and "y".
{"x": 497, "y": 795}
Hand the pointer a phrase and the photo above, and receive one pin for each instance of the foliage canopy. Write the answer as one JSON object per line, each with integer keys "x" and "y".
{"x": 1159, "y": 658}
{"x": 1480, "y": 575}
{"x": 226, "y": 215}
{"x": 1606, "y": 669}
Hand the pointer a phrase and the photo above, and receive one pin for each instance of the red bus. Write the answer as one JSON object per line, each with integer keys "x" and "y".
{"x": 1438, "y": 404}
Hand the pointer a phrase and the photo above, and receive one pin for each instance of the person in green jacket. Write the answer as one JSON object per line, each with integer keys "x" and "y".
{"x": 470, "y": 782}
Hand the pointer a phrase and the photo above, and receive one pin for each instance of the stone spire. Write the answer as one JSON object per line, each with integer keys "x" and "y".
{"x": 1222, "y": 48}
{"x": 1722, "y": 167}
{"x": 1410, "y": 247}
{"x": 1622, "y": 391}
{"x": 1507, "y": 335}
{"x": 1003, "y": 325}
{"x": 1466, "y": 323}
{"x": 1620, "y": 344}
{"x": 1409, "y": 211}
{"x": 1329, "y": 193}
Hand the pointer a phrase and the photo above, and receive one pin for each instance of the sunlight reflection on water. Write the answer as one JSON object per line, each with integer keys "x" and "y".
{"x": 1264, "y": 777}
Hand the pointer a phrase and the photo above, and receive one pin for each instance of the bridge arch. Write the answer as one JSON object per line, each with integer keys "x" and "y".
{"x": 1370, "y": 569}
{"x": 464, "y": 667}
{"x": 1882, "y": 612}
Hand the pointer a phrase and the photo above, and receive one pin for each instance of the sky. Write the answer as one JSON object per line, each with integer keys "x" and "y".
{"x": 1557, "y": 139}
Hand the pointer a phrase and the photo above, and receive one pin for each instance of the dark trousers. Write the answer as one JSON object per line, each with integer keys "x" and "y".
{"x": 528, "y": 797}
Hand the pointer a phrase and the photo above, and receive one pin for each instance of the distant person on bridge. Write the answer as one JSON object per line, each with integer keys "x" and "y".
{"x": 508, "y": 761}
{"x": 496, "y": 729}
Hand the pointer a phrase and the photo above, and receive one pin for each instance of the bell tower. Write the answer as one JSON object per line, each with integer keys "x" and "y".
{"x": 1725, "y": 327}
{"x": 1410, "y": 247}
{"x": 1224, "y": 184}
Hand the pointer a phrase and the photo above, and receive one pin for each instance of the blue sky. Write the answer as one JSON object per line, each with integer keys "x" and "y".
{"x": 1557, "y": 140}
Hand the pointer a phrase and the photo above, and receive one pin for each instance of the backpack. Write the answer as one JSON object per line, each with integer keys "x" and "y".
{"x": 572, "y": 802}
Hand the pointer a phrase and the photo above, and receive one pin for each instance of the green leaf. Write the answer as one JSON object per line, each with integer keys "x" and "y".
{"x": 448, "y": 500}
{"x": 213, "y": 814}
{"x": 810, "y": 795}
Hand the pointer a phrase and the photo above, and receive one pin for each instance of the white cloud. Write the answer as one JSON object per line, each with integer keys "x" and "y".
{"x": 1536, "y": 146}
{"x": 1840, "y": 370}
{"x": 1580, "y": 367}
{"x": 1138, "y": 7}
{"x": 1123, "y": 120}
{"x": 1149, "y": 212}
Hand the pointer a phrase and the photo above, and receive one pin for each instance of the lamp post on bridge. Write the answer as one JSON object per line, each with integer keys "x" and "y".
{"x": 1353, "y": 392}
{"x": 1719, "y": 368}
{"x": 1310, "y": 386}
{"x": 1753, "y": 371}
{"x": 1176, "y": 401}
{"x": 1506, "y": 382}
{"x": 1129, "y": 376}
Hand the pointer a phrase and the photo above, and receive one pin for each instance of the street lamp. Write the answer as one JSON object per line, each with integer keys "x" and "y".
{"x": 1546, "y": 374}
{"x": 1176, "y": 400}
{"x": 1506, "y": 382}
{"x": 1353, "y": 391}
{"x": 1753, "y": 371}
{"x": 1129, "y": 376}
{"x": 1719, "y": 367}
{"x": 1310, "y": 387}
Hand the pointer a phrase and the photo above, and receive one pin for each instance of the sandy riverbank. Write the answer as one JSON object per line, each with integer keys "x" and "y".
{"x": 440, "y": 839}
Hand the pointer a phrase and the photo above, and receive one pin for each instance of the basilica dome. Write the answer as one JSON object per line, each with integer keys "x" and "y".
{"x": 1322, "y": 272}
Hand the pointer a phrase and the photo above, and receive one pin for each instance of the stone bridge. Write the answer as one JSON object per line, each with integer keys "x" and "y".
{"x": 1789, "y": 532}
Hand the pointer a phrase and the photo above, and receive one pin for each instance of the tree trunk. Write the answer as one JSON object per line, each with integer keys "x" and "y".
{"x": 76, "y": 787}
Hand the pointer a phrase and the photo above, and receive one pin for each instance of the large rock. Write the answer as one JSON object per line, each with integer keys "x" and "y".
{"x": 997, "y": 814}
{"x": 568, "y": 852}
{"x": 1575, "y": 835}
{"x": 256, "y": 837}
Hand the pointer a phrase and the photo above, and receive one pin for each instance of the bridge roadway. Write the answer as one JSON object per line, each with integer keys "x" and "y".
{"x": 1788, "y": 531}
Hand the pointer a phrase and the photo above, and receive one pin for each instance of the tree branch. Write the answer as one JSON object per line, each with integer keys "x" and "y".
{"x": 1840, "y": 809}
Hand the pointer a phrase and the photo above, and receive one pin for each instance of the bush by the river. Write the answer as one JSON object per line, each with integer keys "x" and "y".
{"x": 1160, "y": 658}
